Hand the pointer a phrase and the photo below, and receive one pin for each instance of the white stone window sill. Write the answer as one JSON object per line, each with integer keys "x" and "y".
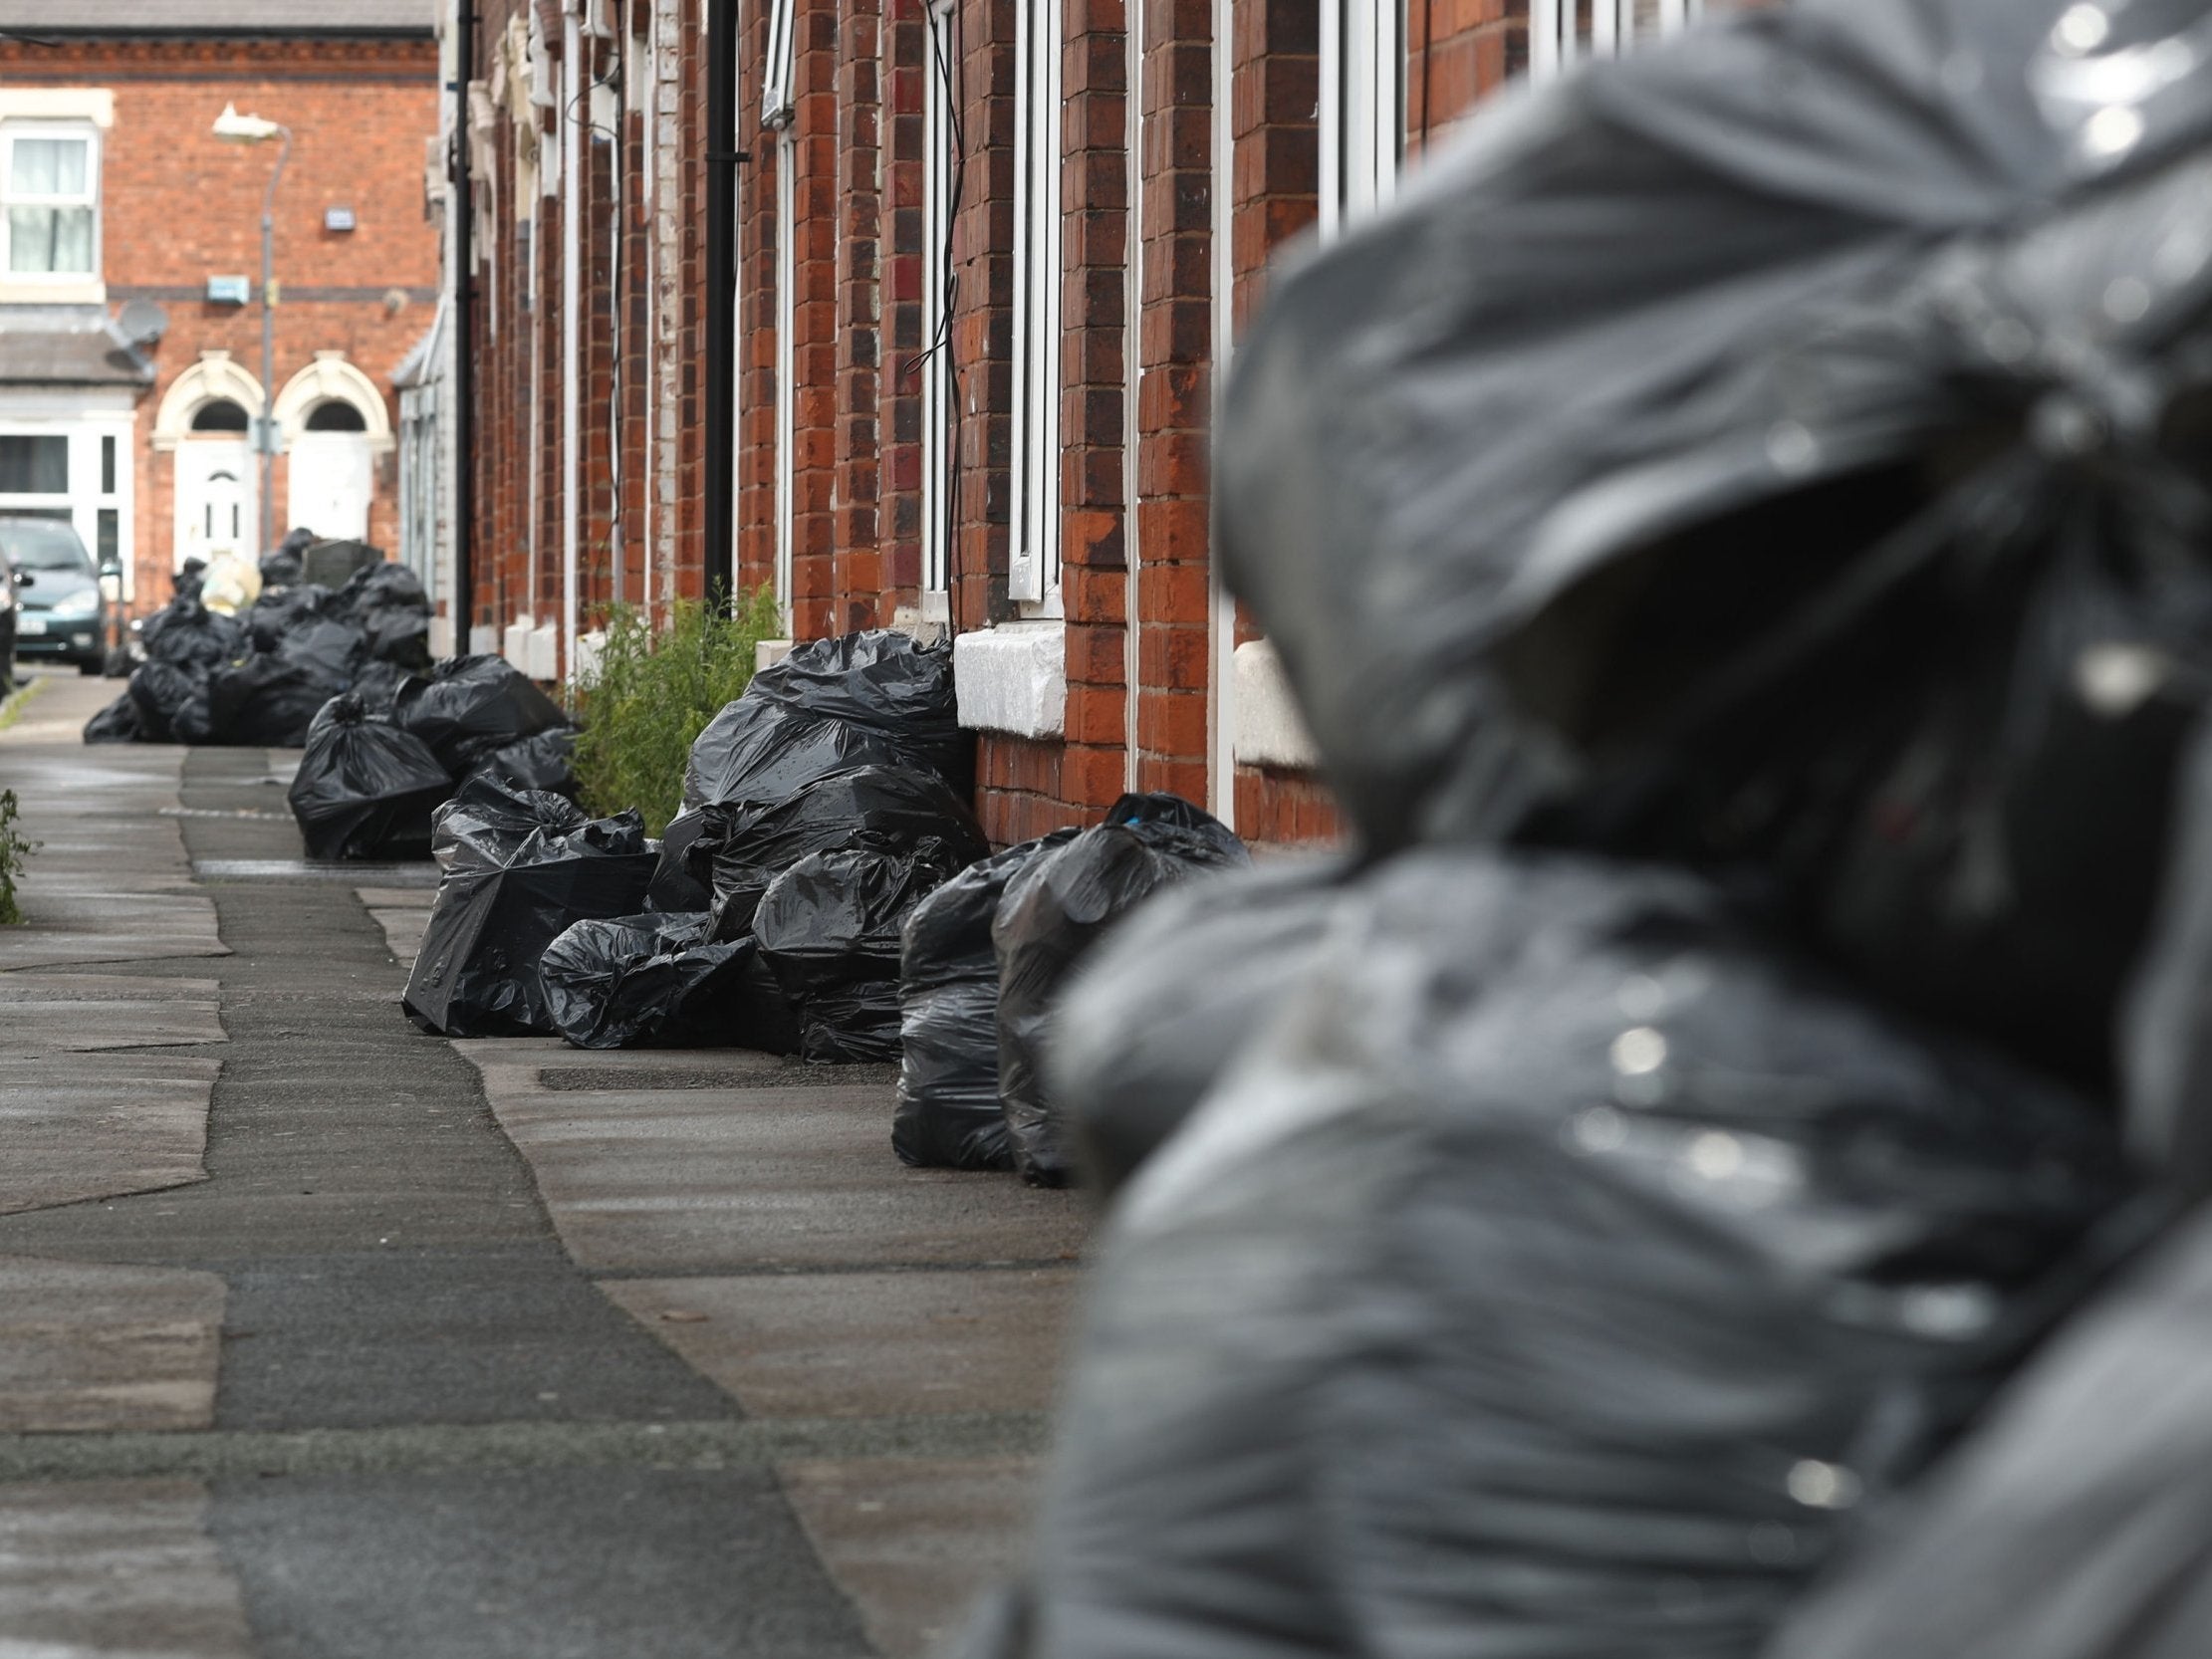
{"x": 1269, "y": 729}
{"x": 1013, "y": 678}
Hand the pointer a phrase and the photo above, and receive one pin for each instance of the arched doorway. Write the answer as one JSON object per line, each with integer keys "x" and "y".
{"x": 203, "y": 424}
{"x": 214, "y": 484}
{"x": 333, "y": 473}
{"x": 335, "y": 425}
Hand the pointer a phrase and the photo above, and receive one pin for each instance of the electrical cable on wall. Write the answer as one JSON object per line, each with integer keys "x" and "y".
{"x": 949, "y": 81}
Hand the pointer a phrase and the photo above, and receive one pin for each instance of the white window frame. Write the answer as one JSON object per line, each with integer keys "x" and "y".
{"x": 83, "y": 497}
{"x": 938, "y": 192}
{"x": 1033, "y": 524}
{"x": 787, "y": 360}
{"x": 778, "y": 103}
{"x": 1363, "y": 108}
{"x": 1562, "y": 33}
{"x": 85, "y": 133}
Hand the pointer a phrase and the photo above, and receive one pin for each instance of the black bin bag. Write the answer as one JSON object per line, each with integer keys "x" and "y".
{"x": 1158, "y": 1012}
{"x": 520, "y": 867}
{"x": 740, "y": 849}
{"x": 544, "y": 762}
{"x": 648, "y": 981}
{"x": 1665, "y": 352}
{"x": 188, "y": 635}
{"x": 1052, "y": 913}
{"x": 866, "y": 699}
{"x": 473, "y": 705}
{"x": 365, "y": 788}
{"x": 675, "y": 890}
{"x": 1561, "y": 1278}
{"x": 388, "y": 603}
{"x": 273, "y": 618}
{"x": 119, "y": 722}
{"x": 949, "y": 1114}
{"x": 2077, "y": 1523}
{"x": 171, "y": 701}
{"x": 268, "y": 700}
{"x": 830, "y": 927}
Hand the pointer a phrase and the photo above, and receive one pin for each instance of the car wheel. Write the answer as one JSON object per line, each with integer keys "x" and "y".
{"x": 89, "y": 666}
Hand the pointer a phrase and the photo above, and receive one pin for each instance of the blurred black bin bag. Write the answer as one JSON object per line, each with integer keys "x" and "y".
{"x": 2077, "y": 1524}
{"x": 865, "y": 699}
{"x": 949, "y": 1114}
{"x": 1737, "y": 529}
{"x": 1166, "y": 1004}
{"x": 185, "y": 633}
{"x": 634, "y": 982}
{"x": 1053, "y": 910}
{"x": 1664, "y": 354}
{"x": 830, "y": 927}
{"x": 471, "y": 706}
{"x": 1558, "y": 1279}
{"x": 171, "y": 701}
{"x": 365, "y": 788}
{"x": 119, "y": 722}
{"x": 268, "y": 701}
{"x": 520, "y": 868}
{"x": 741, "y": 848}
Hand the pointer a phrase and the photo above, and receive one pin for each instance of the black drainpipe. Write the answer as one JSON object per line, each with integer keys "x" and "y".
{"x": 463, "y": 601}
{"x": 722, "y": 158}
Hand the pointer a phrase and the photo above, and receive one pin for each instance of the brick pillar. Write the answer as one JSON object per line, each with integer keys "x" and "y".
{"x": 814, "y": 355}
{"x": 983, "y": 318}
{"x": 1276, "y": 177}
{"x": 1093, "y": 405}
{"x": 905, "y": 67}
{"x": 859, "y": 575}
{"x": 1176, "y": 390}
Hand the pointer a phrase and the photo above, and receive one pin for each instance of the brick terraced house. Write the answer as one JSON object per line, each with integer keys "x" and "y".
{"x": 130, "y": 292}
{"x": 917, "y": 310}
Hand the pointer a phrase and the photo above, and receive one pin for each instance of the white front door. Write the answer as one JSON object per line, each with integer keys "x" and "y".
{"x": 215, "y": 499}
{"x": 332, "y": 475}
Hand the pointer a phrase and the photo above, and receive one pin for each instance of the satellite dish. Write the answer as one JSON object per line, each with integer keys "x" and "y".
{"x": 141, "y": 321}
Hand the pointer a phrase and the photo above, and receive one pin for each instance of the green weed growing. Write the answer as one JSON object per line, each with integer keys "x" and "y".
{"x": 14, "y": 850}
{"x": 653, "y": 692}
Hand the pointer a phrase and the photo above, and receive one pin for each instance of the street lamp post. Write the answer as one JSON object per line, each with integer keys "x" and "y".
{"x": 253, "y": 130}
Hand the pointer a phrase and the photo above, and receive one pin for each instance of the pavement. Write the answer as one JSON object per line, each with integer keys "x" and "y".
{"x": 324, "y": 1337}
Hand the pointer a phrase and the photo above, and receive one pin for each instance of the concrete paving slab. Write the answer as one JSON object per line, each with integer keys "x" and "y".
{"x": 80, "y": 1126}
{"x": 122, "y": 1569}
{"x": 109, "y": 882}
{"x": 867, "y": 1344}
{"x": 765, "y": 1178}
{"x": 46, "y": 1014}
{"x": 55, "y": 985}
{"x": 398, "y": 899}
{"x": 85, "y": 1347}
{"x": 403, "y": 930}
{"x": 913, "y": 1542}
{"x": 597, "y": 1563}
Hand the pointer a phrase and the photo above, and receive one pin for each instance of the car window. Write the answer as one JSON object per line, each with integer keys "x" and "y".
{"x": 32, "y": 546}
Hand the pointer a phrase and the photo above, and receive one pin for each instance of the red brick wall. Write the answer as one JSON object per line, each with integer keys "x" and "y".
{"x": 1458, "y": 52}
{"x": 856, "y": 164}
{"x": 179, "y": 205}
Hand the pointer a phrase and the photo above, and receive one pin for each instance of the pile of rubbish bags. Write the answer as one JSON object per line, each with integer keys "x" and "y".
{"x": 818, "y": 809}
{"x": 984, "y": 963}
{"x": 825, "y": 892}
{"x": 1737, "y": 530}
{"x": 378, "y": 765}
{"x": 260, "y": 676}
